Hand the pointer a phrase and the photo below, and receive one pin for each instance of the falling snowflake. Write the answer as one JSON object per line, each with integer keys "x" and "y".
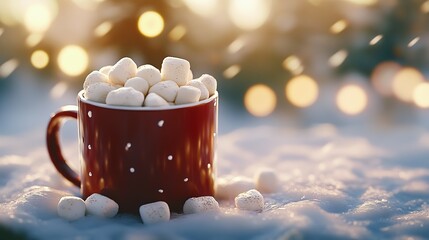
{"x": 160, "y": 123}
{"x": 127, "y": 147}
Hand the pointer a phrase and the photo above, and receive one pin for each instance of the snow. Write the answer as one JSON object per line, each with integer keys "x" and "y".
{"x": 351, "y": 182}
{"x": 334, "y": 184}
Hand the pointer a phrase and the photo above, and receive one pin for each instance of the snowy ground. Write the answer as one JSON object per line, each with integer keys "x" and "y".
{"x": 348, "y": 183}
{"x": 334, "y": 185}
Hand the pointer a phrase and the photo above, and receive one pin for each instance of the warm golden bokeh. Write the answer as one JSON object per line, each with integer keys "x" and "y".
{"x": 404, "y": 83}
{"x": 338, "y": 26}
{"x": 425, "y": 7}
{"x": 293, "y": 64}
{"x": 103, "y": 29}
{"x": 8, "y": 67}
{"x": 38, "y": 15}
{"x": 302, "y": 91}
{"x": 260, "y": 100}
{"x": 382, "y": 77}
{"x": 150, "y": 24}
{"x": 338, "y": 58}
{"x": 249, "y": 14}
{"x": 33, "y": 39}
{"x": 236, "y": 45}
{"x": 351, "y": 99}
{"x": 231, "y": 71}
{"x": 39, "y": 59}
{"x": 177, "y": 33}
{"x": 364, "y": 2}
{"x": 203, "y": 8}
{"x": 73, "y": 60}
{"x": 421, "y": 95}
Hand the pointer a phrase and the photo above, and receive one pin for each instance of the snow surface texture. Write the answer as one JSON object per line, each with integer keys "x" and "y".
{"x": 333, "y": 185}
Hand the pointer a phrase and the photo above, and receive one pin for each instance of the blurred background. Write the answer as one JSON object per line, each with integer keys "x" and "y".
{"x": 292, "y": 63}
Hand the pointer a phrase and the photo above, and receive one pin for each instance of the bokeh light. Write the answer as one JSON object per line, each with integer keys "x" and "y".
{"x": 421, "y": 95}
{"x": 177, "y": 33}
{"x": 58, "y": 90}
{"x": 383, "y": 75}
{"x": 338, "y": 26}
{"x": 204, "y": 8}
{"x": 73, "y": 60}
{"x": 38, "y": 15}
{"x": 89, "y": 5}
{"x": 375, "y": 40}
{"x": 103, "y": 29}
{"x": 302, "y": 91}
{"x": 236, "y": 45}
{"x": 338, "y": 58}
{"x": 8, "y": 67}
{"x": 150, "y": 24}
{"x": 351, "y": 99}
{"x": 404, "y": 83}
{"x": 33, "y": 39}
{"x": 39, "y": 59}
{"x": 364, "y": 2}
{"x": 260, "y": 100}
{"x": 425, "y": 7}
{"x": 231, "y": 71}
{"x": 413, "y": 42}
{"x": 293, "y": 64}
{"x": 249, "y": 14}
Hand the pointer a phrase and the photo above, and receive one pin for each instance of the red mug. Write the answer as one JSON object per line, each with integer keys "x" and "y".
{"x": 139, "y": 155}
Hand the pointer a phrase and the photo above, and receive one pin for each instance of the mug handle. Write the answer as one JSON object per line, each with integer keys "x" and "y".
{"x": 53, "y": 142}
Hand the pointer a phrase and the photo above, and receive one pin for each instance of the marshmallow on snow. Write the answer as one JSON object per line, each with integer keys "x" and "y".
{"x": 101, "y": 206}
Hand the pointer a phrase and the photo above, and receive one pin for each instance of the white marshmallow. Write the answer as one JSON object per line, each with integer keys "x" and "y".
{"x": 123, "y": 70}
{"x": 97, "y": 92}
{"x": 101, "y": 206}
{"x": 267, "y": 181}
{"x": 187, "y": 94}
{"x": 71, "y": 208}
{"x": 175, "y": 69}
{"x": 165, "y": 89}
{"x": 150, "y": 73}
{"x": 105, "y": 70}
{"x": 210, "y": 82}
{"x": 251, "y": 200}
{"x": 190, "y": 75}
{"x": 198, "y": 84}
{"x": 125, "y": 96}
{"x": 154, "y": 100}
{"x": 229, "y": 188}
{"x": 138, "y": 83}
{"x": 154, "y": 212}
{"x": 95, "y": 77}
{"x": 200, "y": 204}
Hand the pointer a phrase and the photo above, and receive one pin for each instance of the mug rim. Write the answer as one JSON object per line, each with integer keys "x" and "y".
{"x": 130, "y": 108}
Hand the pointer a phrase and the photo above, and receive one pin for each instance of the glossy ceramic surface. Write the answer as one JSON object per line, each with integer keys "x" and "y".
{"x": 138, "y": 156}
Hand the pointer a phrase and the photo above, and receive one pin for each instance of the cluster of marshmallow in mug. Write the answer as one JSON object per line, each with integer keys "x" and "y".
{"x": 245, "y": 192}
{"x": 124, "y": 84}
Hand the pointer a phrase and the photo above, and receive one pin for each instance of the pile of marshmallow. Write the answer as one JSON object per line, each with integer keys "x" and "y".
{"x": 124, "y": 84}
{"x": 72, "y": 208}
